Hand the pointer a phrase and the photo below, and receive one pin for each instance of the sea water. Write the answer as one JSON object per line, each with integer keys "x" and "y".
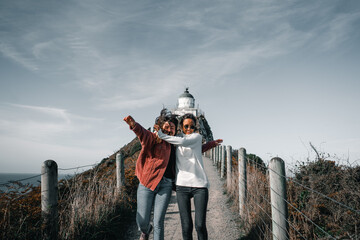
{"x": 25, "y": 178}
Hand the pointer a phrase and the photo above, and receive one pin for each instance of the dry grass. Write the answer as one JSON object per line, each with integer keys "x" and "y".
{"x": 89, "y": 206}
{"x": 341, "y": 183}
{"x": 20, "y": 212}
{"x": 256, "y": 223}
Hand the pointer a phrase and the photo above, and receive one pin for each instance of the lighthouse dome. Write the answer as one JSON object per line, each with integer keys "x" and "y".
{"x": 186, "y": 100}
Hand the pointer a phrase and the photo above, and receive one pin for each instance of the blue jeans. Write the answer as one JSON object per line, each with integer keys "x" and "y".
{"x": 201, "y": 198}
{"x": 159, "y": 199}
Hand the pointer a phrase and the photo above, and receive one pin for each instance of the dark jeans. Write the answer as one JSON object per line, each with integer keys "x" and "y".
{"x": 201, "y": 197}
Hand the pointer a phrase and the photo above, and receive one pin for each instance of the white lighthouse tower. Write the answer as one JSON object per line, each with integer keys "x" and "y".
{"x": 186, "y": 104}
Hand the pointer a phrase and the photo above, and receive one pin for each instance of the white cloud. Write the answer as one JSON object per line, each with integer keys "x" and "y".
{"x": 27, "y": 62}
{"x": 340, "y": 29}
{"x": 131, "y": 55}
{"x": 56, "y": 112}
{"x": 37, "y": 123}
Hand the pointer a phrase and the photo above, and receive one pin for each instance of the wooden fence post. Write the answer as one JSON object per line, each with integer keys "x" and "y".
{"x": 228, "y": 166}
{"x": 222, "y": 157}
{"x": 120, "y": 172}
{"x": 218, "y": 157}
{"x": 242, "y": 181}
{"x": 215, "y": 155}
{"x": 279, "y": 211}
{"x": 49, "y": 200}
{"x": 222, "y": 163}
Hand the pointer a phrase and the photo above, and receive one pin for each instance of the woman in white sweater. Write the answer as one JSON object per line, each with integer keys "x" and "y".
{"x": 191, "y": 179}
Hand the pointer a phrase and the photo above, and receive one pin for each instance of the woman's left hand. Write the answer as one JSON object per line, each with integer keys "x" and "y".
{"x": 157, "y": 139}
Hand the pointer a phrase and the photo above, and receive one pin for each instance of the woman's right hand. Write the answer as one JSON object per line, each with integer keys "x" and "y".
{"x": 156, "y": 127}
{"x": 130, "y": 121}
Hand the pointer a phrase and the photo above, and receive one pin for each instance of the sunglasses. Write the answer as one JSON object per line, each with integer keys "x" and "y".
{"x": 189, "y": 126}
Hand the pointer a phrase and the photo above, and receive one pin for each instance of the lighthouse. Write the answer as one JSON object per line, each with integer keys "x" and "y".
{"x": 186, "y": 104}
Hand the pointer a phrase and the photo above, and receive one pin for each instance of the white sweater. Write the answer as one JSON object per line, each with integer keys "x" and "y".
{"x": 189, "y": 163}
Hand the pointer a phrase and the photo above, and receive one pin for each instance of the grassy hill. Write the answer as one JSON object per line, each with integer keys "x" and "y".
{"x": 90, "y": 208}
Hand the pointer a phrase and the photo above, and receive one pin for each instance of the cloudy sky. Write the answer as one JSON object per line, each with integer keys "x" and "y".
{"x": 271, "y": 76}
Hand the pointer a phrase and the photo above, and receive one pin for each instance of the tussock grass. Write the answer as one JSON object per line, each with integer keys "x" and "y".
{"x": 339, "y": 182}
{"x": 89, "y": 205}
{"x": 20, "y": 212}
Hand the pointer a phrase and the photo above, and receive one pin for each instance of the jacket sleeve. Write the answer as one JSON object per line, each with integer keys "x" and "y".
{"x": 146, "y": 137}
{"x": 208, "y": 146}
{"x": 180, "y": 141}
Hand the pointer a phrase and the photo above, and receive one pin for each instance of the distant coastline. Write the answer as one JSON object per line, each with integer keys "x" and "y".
{"x": 31, "y": 178}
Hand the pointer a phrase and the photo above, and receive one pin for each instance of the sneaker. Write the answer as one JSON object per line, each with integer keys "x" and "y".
{"x": 145, "y": 236}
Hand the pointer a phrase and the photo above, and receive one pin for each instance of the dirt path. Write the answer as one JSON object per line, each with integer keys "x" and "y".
{"x": 220, "y": 219}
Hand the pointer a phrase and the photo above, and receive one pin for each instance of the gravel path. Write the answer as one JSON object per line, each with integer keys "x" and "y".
{"x": 220, "y": 219}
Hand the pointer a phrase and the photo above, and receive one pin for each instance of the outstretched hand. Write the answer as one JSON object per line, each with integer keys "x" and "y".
{"x": 130, "y": 121}
{"x": 218, "y": 142}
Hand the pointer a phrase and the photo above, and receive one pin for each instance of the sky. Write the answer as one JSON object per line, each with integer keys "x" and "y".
{"x": 270, "y": 76}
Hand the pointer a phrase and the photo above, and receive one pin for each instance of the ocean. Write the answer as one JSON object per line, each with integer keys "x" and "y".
{"x": 31, "y": 178}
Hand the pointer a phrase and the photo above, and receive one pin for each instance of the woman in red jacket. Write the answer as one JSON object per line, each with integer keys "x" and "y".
{"x": 155, "y": 169}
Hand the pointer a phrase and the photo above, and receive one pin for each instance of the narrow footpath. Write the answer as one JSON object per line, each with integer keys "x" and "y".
{"x": 220, "y": 219}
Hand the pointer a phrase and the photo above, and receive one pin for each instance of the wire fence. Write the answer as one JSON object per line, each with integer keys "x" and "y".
{"x": 68, "y": 208}
{"x": 308, "y": 188}
{"x": 259, "y": 197}
{"x": 302, "y": 223}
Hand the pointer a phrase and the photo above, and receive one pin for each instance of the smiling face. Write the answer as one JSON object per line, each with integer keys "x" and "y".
{"x": 188, "y": 126}
{"x": 169, "y": 128}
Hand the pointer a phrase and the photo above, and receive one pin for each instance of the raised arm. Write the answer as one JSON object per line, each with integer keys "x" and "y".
{"x": 146, "y": 137}
{"x": 211, "y": 144}
{"x": 180, "y": 141}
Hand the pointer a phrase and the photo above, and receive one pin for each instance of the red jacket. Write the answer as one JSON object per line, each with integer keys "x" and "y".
{"x": 153, "y": 158}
